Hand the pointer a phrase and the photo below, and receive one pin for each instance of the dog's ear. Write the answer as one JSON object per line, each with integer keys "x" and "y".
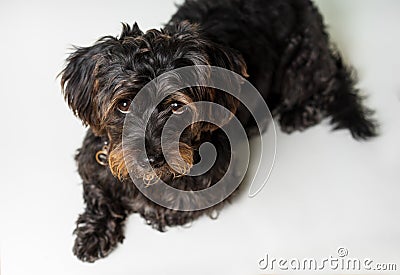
{"x": 231, "y": 60}
{"x": 228, "y": 58}
{"x": 79, "y": 79}
{"x": 79, "y": 82}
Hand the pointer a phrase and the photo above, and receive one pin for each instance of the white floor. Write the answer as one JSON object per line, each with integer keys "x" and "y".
{"x": 326, "y": 190}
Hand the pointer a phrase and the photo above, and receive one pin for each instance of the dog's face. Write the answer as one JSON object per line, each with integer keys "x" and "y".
{"x": 100, "y": 82}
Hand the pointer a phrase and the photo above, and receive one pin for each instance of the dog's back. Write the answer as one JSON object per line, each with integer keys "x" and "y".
{"x": 289, "y": 59}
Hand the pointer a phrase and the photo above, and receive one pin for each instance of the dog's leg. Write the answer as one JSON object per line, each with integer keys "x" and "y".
{"x": 313, "y": 83}
{"x": 100, "y": 228}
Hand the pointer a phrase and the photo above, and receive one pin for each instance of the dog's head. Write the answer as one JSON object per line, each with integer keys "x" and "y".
{"x": 100, "y": 82}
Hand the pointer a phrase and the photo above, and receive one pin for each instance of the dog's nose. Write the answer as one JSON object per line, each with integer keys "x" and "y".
{"x": 153, "y": 160}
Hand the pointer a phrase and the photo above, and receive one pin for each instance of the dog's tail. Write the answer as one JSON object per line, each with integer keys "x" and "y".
{"x": 346, "y": 109}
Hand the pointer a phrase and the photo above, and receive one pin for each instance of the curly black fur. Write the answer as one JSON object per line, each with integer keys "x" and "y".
{"x": 280, "y": 45}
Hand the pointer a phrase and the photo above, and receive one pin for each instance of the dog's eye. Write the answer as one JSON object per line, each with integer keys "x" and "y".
{"x": 123, "y": 106}
{"x": 178, "y": 108}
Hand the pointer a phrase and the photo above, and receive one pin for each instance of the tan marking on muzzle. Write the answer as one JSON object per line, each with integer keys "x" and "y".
{"x": 117, "y": 163}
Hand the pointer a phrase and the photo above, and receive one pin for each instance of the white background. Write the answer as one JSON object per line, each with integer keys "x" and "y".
{"x": 326, "y": 190}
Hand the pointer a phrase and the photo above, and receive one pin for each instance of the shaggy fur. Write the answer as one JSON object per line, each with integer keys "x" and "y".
{"x": 281, "y": 46}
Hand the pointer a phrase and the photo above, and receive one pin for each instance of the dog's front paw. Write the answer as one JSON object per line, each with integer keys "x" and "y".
{"x": 93, "y": 241}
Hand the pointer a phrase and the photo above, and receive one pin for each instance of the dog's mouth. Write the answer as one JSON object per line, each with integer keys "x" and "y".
{"x": 165, "y": 173}
{"x": 123, "y": 164}
{"x": 176, "y": 166}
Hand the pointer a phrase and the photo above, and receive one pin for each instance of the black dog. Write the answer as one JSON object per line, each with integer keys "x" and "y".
{"x": 280, "y": 46}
